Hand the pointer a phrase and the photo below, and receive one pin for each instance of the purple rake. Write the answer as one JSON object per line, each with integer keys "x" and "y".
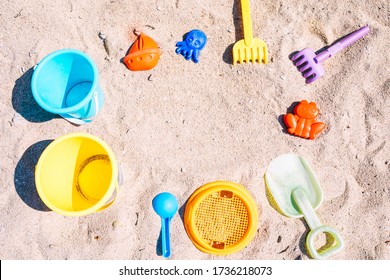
{"x": 309, "y": 64}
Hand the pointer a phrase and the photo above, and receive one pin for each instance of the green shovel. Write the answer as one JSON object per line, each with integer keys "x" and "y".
{"x": 297, "y": 193}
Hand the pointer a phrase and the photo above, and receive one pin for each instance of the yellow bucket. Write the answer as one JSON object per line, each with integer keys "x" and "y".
{"x": 77, "y": 174}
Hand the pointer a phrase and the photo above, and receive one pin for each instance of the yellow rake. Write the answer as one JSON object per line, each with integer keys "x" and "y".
{"x": 249, "y": 49}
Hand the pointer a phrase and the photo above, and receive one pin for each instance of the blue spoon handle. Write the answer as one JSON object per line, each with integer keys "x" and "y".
{"x": 165, "y": 236}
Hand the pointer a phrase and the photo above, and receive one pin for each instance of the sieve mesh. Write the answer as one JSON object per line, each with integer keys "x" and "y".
{"x": 222, "y": 220}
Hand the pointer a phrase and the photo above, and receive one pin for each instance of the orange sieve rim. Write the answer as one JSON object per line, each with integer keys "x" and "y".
{"x": 199, "y": 195}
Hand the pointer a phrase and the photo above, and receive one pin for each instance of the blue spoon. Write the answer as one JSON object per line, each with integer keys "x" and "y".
{"x": 165, "y": 205}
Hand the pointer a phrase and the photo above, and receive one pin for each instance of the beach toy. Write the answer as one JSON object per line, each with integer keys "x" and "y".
{"x": 309, "y": 64}
{"x": 249, "y": 49}
{"x": 143, "y": 54}
{"x": 194, "y": 42}
{"x": 297, "y": 193}
{"x": 66, "y": 82}
{"x": 221, "y": 218}
{"x": 303, "y": 122}
{"x": 165, "y": 205}
{"x": 76, "y": 175}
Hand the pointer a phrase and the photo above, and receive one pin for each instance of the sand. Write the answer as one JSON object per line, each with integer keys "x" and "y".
{"x": 182, "y": 125}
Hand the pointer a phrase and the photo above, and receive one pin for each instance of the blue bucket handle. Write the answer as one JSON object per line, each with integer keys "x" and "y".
{"x": 87, "y": 120}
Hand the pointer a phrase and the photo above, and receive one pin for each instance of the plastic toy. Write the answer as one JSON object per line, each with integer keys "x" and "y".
{"x": 221, "y": 218}
{"x": 303, "y": 122}
{"x": 194, "y": 42}
{"x": 309, "y": 64}
{"x": 143, "y": 54}
{"x": 297, "y": 193}
{"x": 66, "y": 82}
{"x": 165, "y": 205}
{"x": 77, "y": 175}
{"x": 249, "y": 49}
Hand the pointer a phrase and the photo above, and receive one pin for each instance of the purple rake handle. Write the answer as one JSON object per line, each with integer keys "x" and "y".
{"x": 350, "y": 39}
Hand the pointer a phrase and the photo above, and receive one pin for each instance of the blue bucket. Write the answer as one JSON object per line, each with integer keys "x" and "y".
{"x": 66, "y": 82}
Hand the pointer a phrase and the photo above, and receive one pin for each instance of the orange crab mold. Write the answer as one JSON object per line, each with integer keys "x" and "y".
{"x": 303, "y": 122}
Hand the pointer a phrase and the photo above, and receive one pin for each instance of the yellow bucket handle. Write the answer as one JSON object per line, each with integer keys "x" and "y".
{"x": 118, "y": 184}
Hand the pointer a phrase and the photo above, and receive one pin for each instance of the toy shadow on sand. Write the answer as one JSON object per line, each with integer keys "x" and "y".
{"x": 24, "y": 176}
{"x": 159, "y": 245}
{"x": 290, "y": 109}
{"x": 24, "y": 102}
{"x": 238, "y": 31}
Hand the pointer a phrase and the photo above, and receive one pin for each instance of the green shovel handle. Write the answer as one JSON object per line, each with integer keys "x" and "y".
{"x": 338, "y": 243}
{"x": 316, "y": 228}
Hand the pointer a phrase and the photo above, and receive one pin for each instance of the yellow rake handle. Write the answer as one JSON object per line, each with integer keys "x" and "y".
{"x": 246, "y": 22}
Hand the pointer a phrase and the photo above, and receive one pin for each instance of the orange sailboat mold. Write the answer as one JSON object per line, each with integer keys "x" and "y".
{"x": 303, "y": 122}
{"x": 143, "y": 54}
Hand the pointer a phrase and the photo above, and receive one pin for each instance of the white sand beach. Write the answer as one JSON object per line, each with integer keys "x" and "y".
{"x": 182, "y": 124}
